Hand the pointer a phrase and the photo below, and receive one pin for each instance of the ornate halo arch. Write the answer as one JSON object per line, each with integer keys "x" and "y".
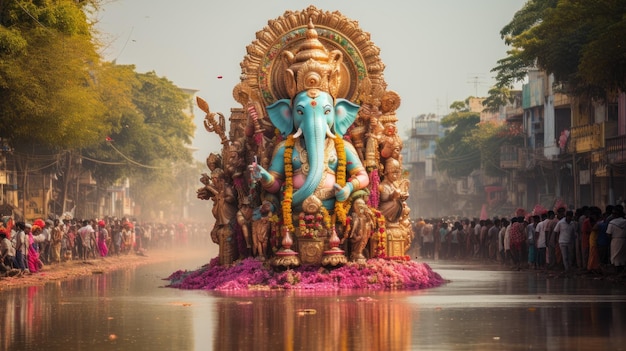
{"x": 361, "y": 70}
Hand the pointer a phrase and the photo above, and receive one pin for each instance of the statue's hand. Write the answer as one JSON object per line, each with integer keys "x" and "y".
{"x": 342, "y": 194}
{"x": 258, "y": 173}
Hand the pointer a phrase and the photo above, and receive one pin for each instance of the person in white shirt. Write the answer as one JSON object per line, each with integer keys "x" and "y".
{"x": 565, "y": 230}
{"x": 617, "y": 232}
{"x": 21, "y": 246}
{"x": 504, "y": 224}
{"x": 540, "y": 234}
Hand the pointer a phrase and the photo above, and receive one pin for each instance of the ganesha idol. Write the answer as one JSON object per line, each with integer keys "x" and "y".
{"x": 313, "y": 124}
{"x": 310, "y": 93}
{"x": 312, "y": 163}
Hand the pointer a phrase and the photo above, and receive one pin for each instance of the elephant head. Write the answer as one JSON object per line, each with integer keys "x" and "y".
{"x": 312, "y": 115}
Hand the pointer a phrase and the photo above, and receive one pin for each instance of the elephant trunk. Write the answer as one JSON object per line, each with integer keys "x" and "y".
{"x": 314, "y": 131}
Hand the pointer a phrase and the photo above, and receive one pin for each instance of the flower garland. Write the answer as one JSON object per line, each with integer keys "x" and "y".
{"x": 326, "y": 217}
{"x": 341, "y": 208}
{"x": 288, "y": 190}
{"x": 381, "y": 248}
{"x": 374, "y": 198}
{"x": 310, "y": 225}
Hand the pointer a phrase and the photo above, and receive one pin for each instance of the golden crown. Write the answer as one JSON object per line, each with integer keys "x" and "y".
{"x": 312, "y": 66}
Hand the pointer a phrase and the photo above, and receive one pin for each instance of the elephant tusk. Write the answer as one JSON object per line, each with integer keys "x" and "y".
{"x": 329, "y": 133}
{"x": 298, "y": 133}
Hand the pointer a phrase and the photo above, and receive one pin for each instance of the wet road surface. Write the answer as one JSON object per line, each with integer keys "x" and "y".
{"x": 477, "y": 310}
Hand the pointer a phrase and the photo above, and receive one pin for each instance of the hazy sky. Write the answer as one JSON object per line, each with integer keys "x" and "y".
{"x": 435, "y": 51}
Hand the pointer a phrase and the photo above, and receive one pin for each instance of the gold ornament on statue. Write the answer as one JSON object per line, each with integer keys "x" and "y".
{"x": 312, "y": 66}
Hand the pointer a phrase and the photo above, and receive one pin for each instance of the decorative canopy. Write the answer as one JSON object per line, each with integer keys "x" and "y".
{"x": 321, "y": 41}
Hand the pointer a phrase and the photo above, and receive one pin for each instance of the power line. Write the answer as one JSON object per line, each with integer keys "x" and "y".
{"x": 132, "y": 161}
{"x": 103, "y": 162}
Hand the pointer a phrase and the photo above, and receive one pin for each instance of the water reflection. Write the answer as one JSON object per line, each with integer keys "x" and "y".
{"x": 291, "y": 320}
{"x": 478, "y": 310}
{"x": 92, "y": 313}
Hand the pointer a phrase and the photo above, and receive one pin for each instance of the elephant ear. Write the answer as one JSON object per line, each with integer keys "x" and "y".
{"x": 280, "y": 115}
{"x": 345, "y": 115}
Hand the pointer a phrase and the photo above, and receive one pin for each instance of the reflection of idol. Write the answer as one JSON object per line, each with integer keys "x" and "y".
{"x": 295, "y": 320}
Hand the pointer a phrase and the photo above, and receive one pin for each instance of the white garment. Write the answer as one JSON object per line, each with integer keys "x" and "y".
{"x": 567, "y": 231}
{"x": 541, "y": 234}
{"x": 507, "y": 238}
{"x": 617, "y": 229}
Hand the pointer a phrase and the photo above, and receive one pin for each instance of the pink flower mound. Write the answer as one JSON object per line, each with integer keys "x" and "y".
{"x": 250, "y": 274}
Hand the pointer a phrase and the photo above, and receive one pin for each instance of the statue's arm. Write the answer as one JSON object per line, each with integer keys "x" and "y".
{"x": 271, "y": 180}
{"x": 357, "y": 174}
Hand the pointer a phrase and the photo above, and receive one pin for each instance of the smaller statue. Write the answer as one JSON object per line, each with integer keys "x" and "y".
{"x": 363, "y": 225}
{"x": 393, "y": 192}
{"x": 261, "y": 227}
{"x": 214, "y": 161}
{"x": 224, "y": 206}
{"x": 390, "y": 141}
{"x": 235, "y": 163}
{"x": 244, "y": 219}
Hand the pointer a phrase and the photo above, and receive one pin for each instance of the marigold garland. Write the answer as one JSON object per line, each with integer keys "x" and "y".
{"x": 381, "y": 248}
{"x": 288, "y": 190}
{"x": 341, "y": 208}
{"x": 327, "y": 220}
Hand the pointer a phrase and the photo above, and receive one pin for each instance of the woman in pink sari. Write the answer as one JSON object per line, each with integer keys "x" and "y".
{"x": 595, "y": 219}
{"x": 102, "y": 239}
{"x": 34, "y": 263}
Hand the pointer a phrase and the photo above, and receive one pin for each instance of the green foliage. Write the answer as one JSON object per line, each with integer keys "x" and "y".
{"x": 11, "y": 42}
{"x": 58, "y": 98}
{"x": 498, "y": 96}
{"x": 455, "y": 154}
{"x": 46, "y": 85}
{"x": 149, "y": 129}
{"x": 488, "y": 138}
{"x": 581, "y": 42}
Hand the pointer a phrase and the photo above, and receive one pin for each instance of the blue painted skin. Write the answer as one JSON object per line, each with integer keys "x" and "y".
{"x": 313, "y": 112}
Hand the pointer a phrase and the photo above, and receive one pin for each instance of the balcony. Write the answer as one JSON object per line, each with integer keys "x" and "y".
{"x": 585, "y": 138}
{"x": 512, "y": 157}
{"x": 616, "y": 149}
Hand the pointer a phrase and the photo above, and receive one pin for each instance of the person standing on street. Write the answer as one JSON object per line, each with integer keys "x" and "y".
{"x": 565, "y": 231}
{"x": 617, "y": 232}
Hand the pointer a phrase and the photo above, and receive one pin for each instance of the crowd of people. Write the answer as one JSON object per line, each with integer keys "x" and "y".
{"x": 587, "y": 239}
{"x": 26, "y": 247}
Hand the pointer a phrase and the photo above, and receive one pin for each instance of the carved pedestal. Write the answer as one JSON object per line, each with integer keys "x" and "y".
{"x": 396, "y": 240}
{"x": 310, "y": 250}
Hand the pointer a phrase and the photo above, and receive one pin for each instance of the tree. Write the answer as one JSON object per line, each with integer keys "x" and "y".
{"x": 64, "y": 111}
{"x": 47, "y": 58}
{"x": 581, "y": 42}
{"x": 488, "y": 138}
{"x": 455, "y": 154}
{"x": 151, "y": 137}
